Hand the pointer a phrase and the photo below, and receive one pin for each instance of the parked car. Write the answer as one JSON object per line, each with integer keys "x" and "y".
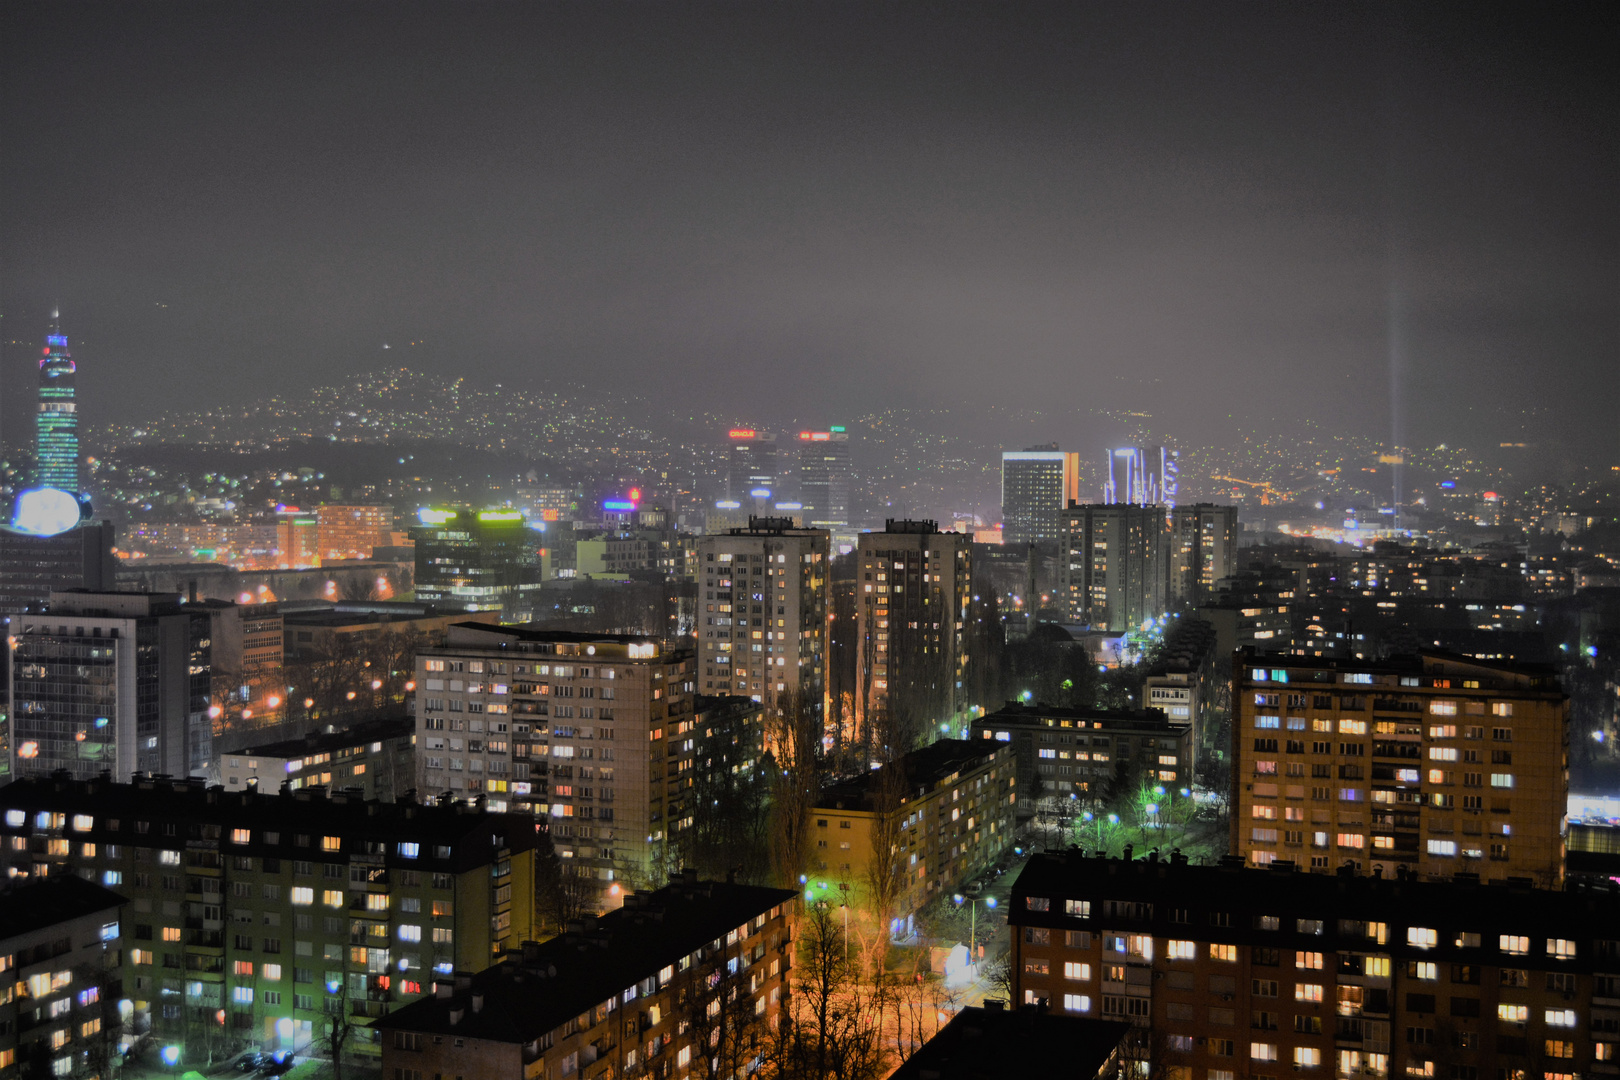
{"x": 250, "y": 1061}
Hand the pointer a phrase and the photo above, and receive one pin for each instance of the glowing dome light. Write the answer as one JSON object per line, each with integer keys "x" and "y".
{"x": 47, "y": 511}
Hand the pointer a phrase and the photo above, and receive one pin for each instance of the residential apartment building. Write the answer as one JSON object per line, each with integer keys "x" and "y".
{"x": 911, "y": 603}
{"x": 33, "y": 566}
{"x": 1036, "y": 484}
{"x": 687, "y": 980}
{"x": 764, "y": 617}
{"x": 279, "y": 910}
{"x": 1114, "y": 562}
{"x": 945, "y": 811}
{"x": 111, "y": 681}
{"x": 374, "y": 758}
{"x": 1082, "y": 753}
{"x": 594, "y": 732}
{"x": 1203, "y": 550}
{"x": 60, "y": 978}
{"x": 1434, "y": 764}
{"x": 1229, "y": 971}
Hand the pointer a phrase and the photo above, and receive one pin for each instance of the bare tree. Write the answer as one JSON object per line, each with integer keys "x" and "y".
{"x": 794, "y": 739}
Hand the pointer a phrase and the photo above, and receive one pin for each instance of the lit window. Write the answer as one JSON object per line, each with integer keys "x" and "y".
{"x": 271, "y": 971}
{"x": 1076, "y": 971}
{"x": 1308, "y": 961}
{"x": 409, "y": 851}
{"x": 1307, "y": 991}
{"x": 1513, "y": 944}
{"x": 1076, "y": 1003}
{"x": 1224, "y": 953}
{"x": 301, "y": 895}
{"x": 1560, "y": 1018}
{"x": 1262, "y": 1051}
{"x": 408, "y": 932}
{"x": 241, "y": 836}
{"x": 1422, "y": 937}
{"x": 242, "y": 995}
{"x": 1307, "y": 1057}
{"x": 1442, "y": 847}
{"x": 83, "y": 822}
{"x": 1501, "y": 780}
{"x": 332, "y": 898}
{"x": 1561, "y": 948}
{"x": 1183, "y": 950}
{"x": 1514, "y": 1014}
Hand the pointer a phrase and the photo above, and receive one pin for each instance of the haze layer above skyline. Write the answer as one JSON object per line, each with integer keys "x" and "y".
{"x": 822, "y": 210}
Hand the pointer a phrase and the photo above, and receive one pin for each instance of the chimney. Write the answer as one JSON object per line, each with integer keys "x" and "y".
{"x": 478, "y": 1003}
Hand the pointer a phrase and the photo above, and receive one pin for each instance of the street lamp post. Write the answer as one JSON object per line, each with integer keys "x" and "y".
{"x": 973, "y": 923}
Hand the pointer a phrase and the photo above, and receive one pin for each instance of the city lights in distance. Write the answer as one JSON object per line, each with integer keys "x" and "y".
{"x": 429, "y": 516}
{"x": 499, "y": 515}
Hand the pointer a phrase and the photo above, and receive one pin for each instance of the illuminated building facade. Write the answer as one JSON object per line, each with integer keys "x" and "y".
{"x": 1203, "y": 550}
{"x": 480, "y": 560}
{"x": 824, "y": 474}
{"x": 592, "y": 732}
{"x": 763, "y": 629}
{"x": 352, "y": 532}
{"x": 56, "y": 422}
{"x": 1077, "y": 752}
{"x": 1036, "y": 484}
{"x": 1430, "y": 765}
{"x": 1226, "y": 971}
{"x": 911, "y": 602}
{"x": 256, "y": 917}
{"x": 694, "y": 973}
{"x": 751, "y": 466}
{"x": 59, "y": 979}
{"x": 111, "y": 681}
{"x": 297, "y": 539}
{"x": 1113, "y": 571}
{"x": 376, "y": 758}
{"x": 949, "y": 821}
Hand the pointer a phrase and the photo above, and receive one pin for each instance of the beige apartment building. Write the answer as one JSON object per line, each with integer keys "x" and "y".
{"x": 1430, "y": 765}
{"x": 594, "y": 733}
{"x": 762, "y": 618}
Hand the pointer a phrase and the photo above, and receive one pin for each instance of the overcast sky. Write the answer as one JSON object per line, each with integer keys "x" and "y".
{"x": 800, "y": 210}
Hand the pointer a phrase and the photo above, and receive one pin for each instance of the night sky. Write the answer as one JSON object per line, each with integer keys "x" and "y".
{"x": 815, "y": 211}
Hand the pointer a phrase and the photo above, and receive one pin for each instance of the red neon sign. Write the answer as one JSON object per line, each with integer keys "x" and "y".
{"x": 744, "y": 433}
{"x": 815, "y": 436}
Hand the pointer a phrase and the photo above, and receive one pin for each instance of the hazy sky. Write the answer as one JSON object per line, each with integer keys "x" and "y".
{"x": 793, "y": 209}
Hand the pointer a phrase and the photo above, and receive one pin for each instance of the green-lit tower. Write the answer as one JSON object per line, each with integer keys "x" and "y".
{"x": 56, "y": 427}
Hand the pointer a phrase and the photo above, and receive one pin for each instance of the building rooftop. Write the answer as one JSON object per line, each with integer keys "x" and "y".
{"x": 41, "y": 903}
{"x": 923, "y": 768}
{"x": 1281, "y": 890}
{"x": 991, "y": 1043}
{"x": 1015, "y": 712}
{"x": 373, "y": 730}
{"x": 521, "y": 999}
{"x": 1429, "y": 661}
{"x": 473, "y": 835}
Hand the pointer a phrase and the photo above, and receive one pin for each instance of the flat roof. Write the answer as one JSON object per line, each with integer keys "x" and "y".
{"x": 923, "y": 768}
{"x": 989, "y": 1044}
{"x": 553, "y": 982}
{"x": 42, "y": 903}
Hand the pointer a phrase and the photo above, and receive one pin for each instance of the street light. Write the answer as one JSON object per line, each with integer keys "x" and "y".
{"x": 973, "y": 923}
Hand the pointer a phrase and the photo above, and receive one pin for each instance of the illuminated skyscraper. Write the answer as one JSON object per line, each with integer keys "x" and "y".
{"x": 1142, "y": 476}
{"x": 751, "y": 466}
{"x": 824, "y": 477}
{"x": 1036, "y": 484}
{"x": 56, "y": 426}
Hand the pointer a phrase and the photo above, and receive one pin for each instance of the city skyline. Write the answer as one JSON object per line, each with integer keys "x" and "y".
{"x": 863, "y": 207}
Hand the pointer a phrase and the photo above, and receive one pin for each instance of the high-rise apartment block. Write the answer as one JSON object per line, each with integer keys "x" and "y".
{"x": 1430, "y": 765}
{"x": 1036, "y": 484}
{"x": 487, "y": 560}
{"x": 56, "y": 421}
{"x": 1113, "y": 564}
{"x": 352, "y": 532}
{"x": 1203, "y": 550}
{"x": 595, "y": 732}
{"x": 911, "y": 603}
{"x": 684, "y": 981}
{"x": 1231, "y": 972}
{"x": 111, "y": 681}
{"x": 278, "y": 911}
{"x": 763, "y": 630}
{"x": 824, "y": 475}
